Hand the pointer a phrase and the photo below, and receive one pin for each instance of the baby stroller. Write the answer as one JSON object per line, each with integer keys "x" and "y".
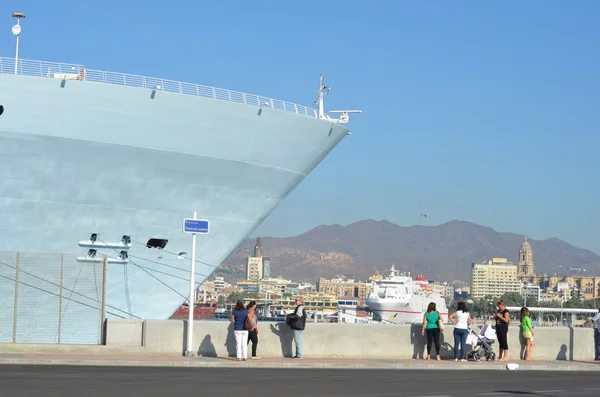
{"x": 482, "y": 344}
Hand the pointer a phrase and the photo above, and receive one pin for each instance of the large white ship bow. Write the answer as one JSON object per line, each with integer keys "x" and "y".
{"x": 85, "y": 152}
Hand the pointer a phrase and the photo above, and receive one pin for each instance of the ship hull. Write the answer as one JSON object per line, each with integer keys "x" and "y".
{"x": 401, "y": 312}
{"x": 200, "y": 313}
{"x": 81, "y": 158}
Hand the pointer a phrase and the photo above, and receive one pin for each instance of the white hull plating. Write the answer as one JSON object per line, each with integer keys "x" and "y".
{"x": 82, "y": 157}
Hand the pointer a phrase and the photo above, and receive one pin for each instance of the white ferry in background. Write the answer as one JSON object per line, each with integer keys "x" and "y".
{"x": 401, "y": 299}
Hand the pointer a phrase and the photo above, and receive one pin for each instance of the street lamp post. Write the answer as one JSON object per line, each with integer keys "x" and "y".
{"x": 16, "y": 30}
{"x": 561, "y": 310}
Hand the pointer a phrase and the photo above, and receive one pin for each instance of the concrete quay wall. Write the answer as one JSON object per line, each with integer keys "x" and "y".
{"x": 338, "y": 340}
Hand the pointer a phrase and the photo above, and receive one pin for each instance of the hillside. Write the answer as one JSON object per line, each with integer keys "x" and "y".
{"x": 443, "y": 252}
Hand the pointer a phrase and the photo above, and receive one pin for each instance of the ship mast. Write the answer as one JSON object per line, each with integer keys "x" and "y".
{"x": 344, "y": 118}
{"x": 319, "y": 102}
{"x": 16, "y": 30}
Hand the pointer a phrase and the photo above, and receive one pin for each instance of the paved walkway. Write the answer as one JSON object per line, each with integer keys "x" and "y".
{"x": 222, "y": 362}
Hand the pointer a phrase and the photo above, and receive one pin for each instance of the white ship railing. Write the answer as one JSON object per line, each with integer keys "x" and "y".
{"x": 69, "y": 71}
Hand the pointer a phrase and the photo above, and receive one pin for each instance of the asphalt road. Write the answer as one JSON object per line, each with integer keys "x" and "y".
{"x": 48, "y": 381}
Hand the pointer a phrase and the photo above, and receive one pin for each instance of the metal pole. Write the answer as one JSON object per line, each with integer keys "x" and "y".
{"x": 60, "y": 297}
{"x": 17, "y": 56}
{"x": 191, "y": 304}
{"x": 103, "y": 310}
{"x": 16, "y": 30}
{"x": 16, "y": 306}
{"x": 561, "y": 310}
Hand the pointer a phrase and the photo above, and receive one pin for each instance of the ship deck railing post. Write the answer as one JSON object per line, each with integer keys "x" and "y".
{"x": 103, "y": 301}
{"x": 16, "y": 305}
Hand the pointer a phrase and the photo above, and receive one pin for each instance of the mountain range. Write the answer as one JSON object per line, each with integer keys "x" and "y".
{"x": 444, "y": 252}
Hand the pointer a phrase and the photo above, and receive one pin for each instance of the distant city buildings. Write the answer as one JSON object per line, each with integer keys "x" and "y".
{"x": 530, "y": 291}
{"x": 498, "y": 276}
{"x": 566, "y": 287}
{"x": 277, "y": 285}
{"x": 490, "y": 279}
{"x": 254, "y": 268}
{"x": 306, "y": 287}
{"x": 249, "y": 286}
{"x": 556, "y": 288}
{"x": 449, "y": 293}
{"x": 214, "y": 286}
{"x": 344, "y": 287}
{"x": 439, "y": 287}
{"x": 494, "y": 278}
{"x": 445, "y": 289}
{"x": 257, "y": 266}
{"x": 266, "y": 268}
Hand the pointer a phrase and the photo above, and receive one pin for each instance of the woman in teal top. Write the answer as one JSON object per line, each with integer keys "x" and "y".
{"x": 527, "y": 330}
{"x": 430, "y": 325}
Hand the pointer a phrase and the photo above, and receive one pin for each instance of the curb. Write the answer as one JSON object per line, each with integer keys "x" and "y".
{"x": 292, "y": 365}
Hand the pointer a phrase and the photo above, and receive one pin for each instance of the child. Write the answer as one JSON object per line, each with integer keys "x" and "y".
{"x": 527, "y": 330}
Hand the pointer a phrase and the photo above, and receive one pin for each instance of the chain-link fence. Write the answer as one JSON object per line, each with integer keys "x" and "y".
{"x": 51, "y": 298}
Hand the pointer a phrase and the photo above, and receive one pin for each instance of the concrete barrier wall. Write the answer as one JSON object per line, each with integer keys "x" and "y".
{"x": 215, "y": 339}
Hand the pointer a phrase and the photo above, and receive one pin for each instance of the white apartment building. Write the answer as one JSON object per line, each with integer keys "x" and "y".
{"x": 494, "y": 278}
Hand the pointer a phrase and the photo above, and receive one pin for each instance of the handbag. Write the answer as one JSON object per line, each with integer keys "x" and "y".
{"x": 248, "y": 324}
{"x": 440, "y": 323}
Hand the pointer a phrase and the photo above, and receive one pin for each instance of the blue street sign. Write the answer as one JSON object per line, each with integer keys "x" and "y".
{"x": 200, "y": 226}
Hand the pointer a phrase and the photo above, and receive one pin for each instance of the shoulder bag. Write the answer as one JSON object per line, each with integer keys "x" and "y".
{"x": 248, "y": 324}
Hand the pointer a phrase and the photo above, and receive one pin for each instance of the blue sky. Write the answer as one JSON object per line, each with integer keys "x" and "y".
{"x": 480, "y": 111}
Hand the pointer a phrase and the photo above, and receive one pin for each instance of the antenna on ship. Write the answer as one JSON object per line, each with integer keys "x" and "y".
{"x": 319, "y": 102}
{"x": 344, "y": 118}
{"x": 16, "y": 30}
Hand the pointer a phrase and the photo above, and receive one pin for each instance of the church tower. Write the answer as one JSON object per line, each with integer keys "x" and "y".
{"x": 258, "y": 249}
{"x": 525, "y": 262}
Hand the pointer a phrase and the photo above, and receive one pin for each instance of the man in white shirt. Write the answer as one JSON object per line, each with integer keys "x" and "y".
{"x": 596, "y": 321}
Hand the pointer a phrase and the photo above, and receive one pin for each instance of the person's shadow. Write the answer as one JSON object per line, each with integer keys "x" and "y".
{"x": 418, "y": 341}
{"x": 230, "y": 341}
{"x": 286, "y": 337}
{"x": 562, "y": 355}
{"x": 207, "y": 348}
{"x": 446, "y": 349}
{"x": 523, "y": 346}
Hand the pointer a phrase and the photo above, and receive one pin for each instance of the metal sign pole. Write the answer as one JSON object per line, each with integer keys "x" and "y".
{"x": 104, "y": 293}
{"x": 193, "y": 226}
{"x": 192, "y": 300}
